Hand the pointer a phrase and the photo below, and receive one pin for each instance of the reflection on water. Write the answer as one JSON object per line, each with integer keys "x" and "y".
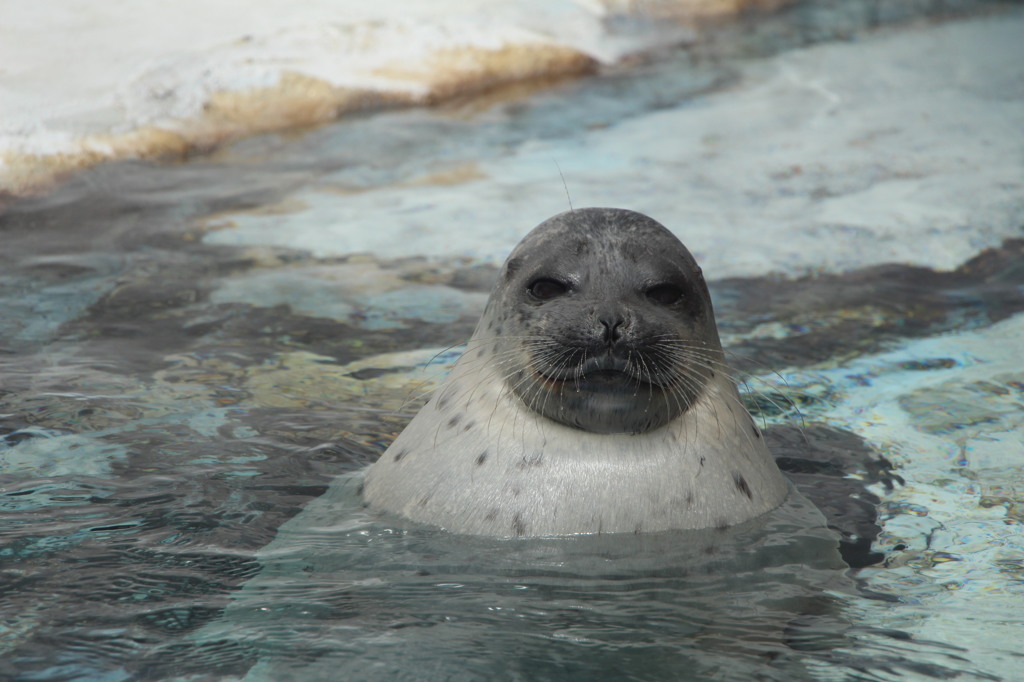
{"x": 170, "y": 400}
{"x": 383, "y": 601}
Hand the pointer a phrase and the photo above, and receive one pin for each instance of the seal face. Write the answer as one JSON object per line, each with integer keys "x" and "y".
{"x": 593, "y": 397}
{"x": 614, "y": 328}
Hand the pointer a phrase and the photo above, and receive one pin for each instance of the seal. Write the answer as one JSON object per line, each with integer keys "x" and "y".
{"x": 593, "y": 397}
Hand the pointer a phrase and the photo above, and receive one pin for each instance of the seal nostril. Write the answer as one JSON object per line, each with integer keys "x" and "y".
{"x": 612, "y": 330}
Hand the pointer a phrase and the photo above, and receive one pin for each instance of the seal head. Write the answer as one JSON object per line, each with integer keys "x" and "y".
{"x": 614, "y": 327}
{"x": 593, "y": 397}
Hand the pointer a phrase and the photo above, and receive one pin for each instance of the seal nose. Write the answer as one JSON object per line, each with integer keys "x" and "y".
{"x": 612, "y": 329}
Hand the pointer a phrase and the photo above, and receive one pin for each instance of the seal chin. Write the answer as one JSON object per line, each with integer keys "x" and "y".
{"x": 604, "y": 401}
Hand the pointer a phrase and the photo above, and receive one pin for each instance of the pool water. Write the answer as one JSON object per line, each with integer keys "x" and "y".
{"x": 198, "y": 358}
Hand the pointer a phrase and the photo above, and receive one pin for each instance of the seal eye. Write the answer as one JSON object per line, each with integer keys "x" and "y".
{"x": 665, "y": 294}
{"x": 547, "y": 289}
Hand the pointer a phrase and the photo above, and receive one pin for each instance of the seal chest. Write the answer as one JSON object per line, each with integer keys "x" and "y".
{"x": 593, "y": 397}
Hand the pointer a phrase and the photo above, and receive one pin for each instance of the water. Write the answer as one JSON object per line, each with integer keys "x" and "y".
{"x": 193, "y": 353}
{"x": 399, "y": 603}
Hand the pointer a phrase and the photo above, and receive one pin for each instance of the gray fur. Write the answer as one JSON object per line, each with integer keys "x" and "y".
{"x": 566, "y": 414}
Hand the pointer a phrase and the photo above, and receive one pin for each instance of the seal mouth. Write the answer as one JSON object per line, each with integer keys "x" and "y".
{"x": 599, "y": 364}
{"x": 606, "y": 373}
